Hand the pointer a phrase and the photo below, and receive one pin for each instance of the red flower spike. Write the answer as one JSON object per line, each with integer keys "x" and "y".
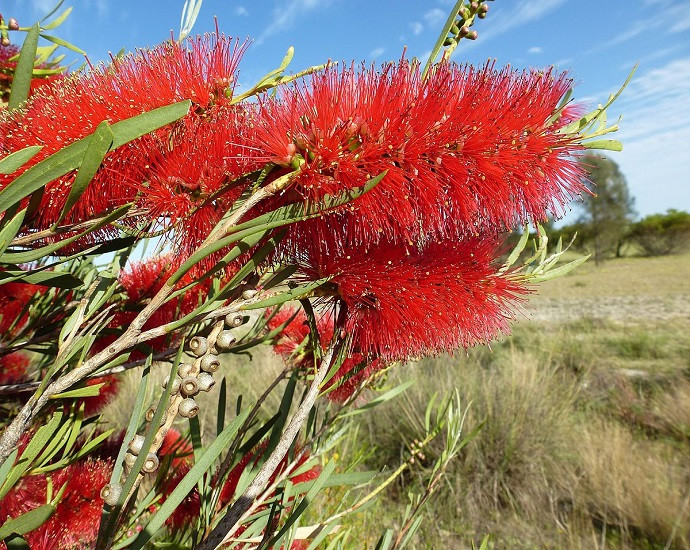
{"x": 13, "y": 367}
{"x": 403, "y": 302}
{"x": 194, "y": 176}
{"x": 178, "y": 447}
{"x": 94, "y": 405}
{"x": 464, "y": 148}
{"x": 202, "y": 69}
{"x": 355, "y": 369}
{"x": 13, "y": 299}
{"x": 77, "y": 517}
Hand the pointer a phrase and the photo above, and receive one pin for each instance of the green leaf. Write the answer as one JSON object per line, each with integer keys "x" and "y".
{"x": 61, "y": 42}
{"x": 27, "y": 522}
{"x": 68, "y": 158}
{"x": 442, "y": 36}
{"x": 283, "y": 412}
{"x": 45, "y": 278}
{"x": 559, "y": 271}
{"x": 302, "y": 506}
{"x": 10, "y": 231}
{"x": 98, "y": 147}
{"x": 7, "y": 466}
{"x": 287, "y": 296}
{"x": 135, "y": 418}
{"x": 42, "y": 252}
{"x": 204, "y": 463}
{"x": 386, "y": 540}
{"x": 604, "y": 145}
{"x": 390, "y": 394}
{"x": 38, "y": 441}
{"x": 23, "y": 73}
{"x": 86, "y": 391}
{"x": 16, "y": 160}
{"x": 515, "y": 254}
{"x": 59, "y": 20}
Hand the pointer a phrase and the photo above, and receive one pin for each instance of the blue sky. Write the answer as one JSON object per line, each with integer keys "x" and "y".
{"x": 597, "y": 41}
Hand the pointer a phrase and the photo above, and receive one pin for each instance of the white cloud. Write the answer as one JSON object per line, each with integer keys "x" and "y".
{"x": 378, "y": 52}
{"x": 655, "y": 132}
{"x": 241, "y": 11}
{"x": 284, "y": 16}
{"x": 416, "y": 27}
{"x": 432, "y": 17}
{"x": 535, "y": 50}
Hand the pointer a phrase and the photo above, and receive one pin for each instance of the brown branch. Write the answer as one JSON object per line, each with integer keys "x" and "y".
{"x": 132, "y": 336}
{"x": 253, "y": 491}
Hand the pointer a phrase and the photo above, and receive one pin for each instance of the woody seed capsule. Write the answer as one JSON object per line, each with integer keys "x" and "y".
{"x": 225, "y": 339}
{"x": 130, "y": 459}
{"x": 198, "y": 345}
{"x": 188, "y": 408}
{"x": 234, "y": 320}
{"x": 151, "y": 463}
{"x": 111, "y": 493}
{"x": 136, "y": 444}
{"x": 184, "y": 369}
{"x": 206, "y": 381}
{"x": 210, "y": 362}
{"x": 189, "y": 386}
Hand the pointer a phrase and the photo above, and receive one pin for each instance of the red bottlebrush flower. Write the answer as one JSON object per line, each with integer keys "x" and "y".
{"x": 202, "y": 69}
{"x": 141, "y": 281}
{"x": 404, "y": 302}
{"x": 94, "y": 405}
{"x": 463, "y": 148}
{"x": 13, "y": 367}
{"x": 14, "y": 297}
{"x": 355, "y": 369}
{"x": 176, "y": 446}
{"x": 77, "y": 517}
{"x": 7, "y": 67}
{"x": 193, "y": 177}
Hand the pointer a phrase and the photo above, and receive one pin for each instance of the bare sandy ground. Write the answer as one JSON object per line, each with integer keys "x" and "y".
{"x": 618, "y": 308}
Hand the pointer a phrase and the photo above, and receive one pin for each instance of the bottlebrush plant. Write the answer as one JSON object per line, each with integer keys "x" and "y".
{"x": 352, "y": 218}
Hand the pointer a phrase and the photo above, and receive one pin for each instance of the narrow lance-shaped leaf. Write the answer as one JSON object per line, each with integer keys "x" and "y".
{"x": 190, "y": 480}
{"x": 69, "y": 158}
{"x": 16, "y": 160}
{"x": 99, "y": 145}
{"x": 23, "y": 73}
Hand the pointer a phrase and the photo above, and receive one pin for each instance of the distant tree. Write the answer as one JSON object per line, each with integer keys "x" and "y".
{"x": 607, "y": 214}
{"x": 660, "y": 234}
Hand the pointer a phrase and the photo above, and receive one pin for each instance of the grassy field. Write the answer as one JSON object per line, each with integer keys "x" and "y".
{"x": 587, "y": 435}
{"x": 587, "y": 408}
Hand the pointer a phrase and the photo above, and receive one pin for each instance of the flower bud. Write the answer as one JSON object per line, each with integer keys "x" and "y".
{"x": 464, "y": 31}
{"x": 13, "y": 24}
{"x": 5, "y": 41}
{"x": 225, "y": 340}
{"x": 472, "y": 35}
{"x": 474, "y": 6}
{"x": 198, "y": 345}
{"x": 111, "y": 493}
{"x": 210, "y": 362}
{"x": 206, "y": 381}
{"x": 188, "y": 408}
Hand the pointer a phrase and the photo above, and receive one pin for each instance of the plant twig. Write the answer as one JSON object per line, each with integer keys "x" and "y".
{"x": 245, "y": 501}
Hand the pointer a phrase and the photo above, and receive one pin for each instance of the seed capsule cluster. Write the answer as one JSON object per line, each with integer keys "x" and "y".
{"x": 191, "y": 378}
